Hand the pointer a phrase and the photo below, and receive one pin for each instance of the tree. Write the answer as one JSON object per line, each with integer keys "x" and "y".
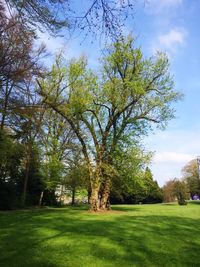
{"x": 153, "y": 193}
{"x": 103, "y": 16}
{"x": 191, "y": 177}
{"x": 131, "y": 94}
{"x": 181, "y": 192}
{"x": 168, "y": 191}
{"x": 19, "y": 63}
{"x": 176, "y": 190}
{"x": 59, "y": 146}
{"x": 77, "y": 175}
{"x": 11, "y": 155}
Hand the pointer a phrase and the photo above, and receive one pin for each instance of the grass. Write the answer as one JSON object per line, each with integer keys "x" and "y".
{"x": 131, "y": 235}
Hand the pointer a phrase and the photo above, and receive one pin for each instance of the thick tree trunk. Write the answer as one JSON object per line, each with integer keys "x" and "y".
{"x": 105, "y": 204}
{"x": 94, "y": 198}
{"x": 41, "y": 198}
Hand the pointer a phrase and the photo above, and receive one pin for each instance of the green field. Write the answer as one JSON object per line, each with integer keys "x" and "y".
{"x": 130, "y": 235}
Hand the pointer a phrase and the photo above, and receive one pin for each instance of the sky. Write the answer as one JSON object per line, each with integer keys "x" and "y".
{"x": 171, "y": 26}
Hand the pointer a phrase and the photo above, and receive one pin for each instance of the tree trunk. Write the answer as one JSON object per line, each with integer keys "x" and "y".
{"x": 41, "y": 198}
{"x": 5, "y": 105}
{"x": 105, "y": 204}
{"x": 23, "y": 197}
{"x": 89, "y": 194}
{"x": 94, "y": 198}
{"x": 27, "y": 168}
{"x": 73, "y": 195}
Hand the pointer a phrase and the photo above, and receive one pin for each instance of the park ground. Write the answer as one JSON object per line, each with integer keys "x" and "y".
{"x": 130, "y": 235}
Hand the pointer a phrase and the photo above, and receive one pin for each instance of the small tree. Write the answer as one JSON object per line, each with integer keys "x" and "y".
{"x": 77, "y": 178}
{"x": 181, "y": 192}
{"x": 168, "y": 191}
{"x": 191, "y": 177}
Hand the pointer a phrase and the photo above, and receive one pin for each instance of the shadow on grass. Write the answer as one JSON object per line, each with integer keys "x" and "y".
{"x": 196, "y": 202}
{"x": 67, "y": 237}
{"x": 125, "y": 208}
{"x": 170, "y": 204}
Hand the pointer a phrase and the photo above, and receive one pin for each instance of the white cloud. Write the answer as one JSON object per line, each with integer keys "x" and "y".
{"x": 157, "y": 6}
{"x": 173, "y": 149}
{"x": 53, "y": 44}
{"x": 171, "y": 41}
{"x": 172, "y": 38}
{"x": 173, "y": 157}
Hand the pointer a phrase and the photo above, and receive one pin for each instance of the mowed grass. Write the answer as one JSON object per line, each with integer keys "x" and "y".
{"x": 130, "y": 235}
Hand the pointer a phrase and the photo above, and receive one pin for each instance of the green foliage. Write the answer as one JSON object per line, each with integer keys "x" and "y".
{"x": 128, "y": 185}
{"x": 35, "y": 177}
{"x": 11, "y": 155}
{"x": 153, "y": 193}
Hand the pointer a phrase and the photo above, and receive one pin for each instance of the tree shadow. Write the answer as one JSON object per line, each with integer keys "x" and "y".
{"x": 170, "y": 204}
{"x": 195, "y": 202}
{"x": 127, "y": 208}
{"x": 67, "y": 237}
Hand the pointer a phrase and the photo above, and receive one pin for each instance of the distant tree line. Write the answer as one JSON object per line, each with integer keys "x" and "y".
{"x": 188, "y": 187}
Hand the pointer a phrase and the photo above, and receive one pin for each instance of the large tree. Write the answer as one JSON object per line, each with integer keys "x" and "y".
{"x": 131, "y": 93}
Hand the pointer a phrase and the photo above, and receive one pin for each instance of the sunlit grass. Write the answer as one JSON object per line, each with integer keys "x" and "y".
{"x": 131, "y": 235}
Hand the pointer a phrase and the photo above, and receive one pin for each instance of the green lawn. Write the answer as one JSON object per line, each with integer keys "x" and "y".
{"x": 132, "y": 235}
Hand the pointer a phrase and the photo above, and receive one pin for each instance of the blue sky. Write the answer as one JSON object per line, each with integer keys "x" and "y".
{"x": 171, "y": 26}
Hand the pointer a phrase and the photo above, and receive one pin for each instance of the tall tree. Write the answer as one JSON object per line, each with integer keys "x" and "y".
{"x": 19, "y": 63}
{"x": 132, "y": 93}
{"x": 152, "y": 192}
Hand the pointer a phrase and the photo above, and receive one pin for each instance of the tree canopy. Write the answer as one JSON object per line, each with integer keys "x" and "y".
{"x": 130, "y": 94}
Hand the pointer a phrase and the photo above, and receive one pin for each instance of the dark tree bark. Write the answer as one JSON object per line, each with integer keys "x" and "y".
{"x": 73, "y": 195}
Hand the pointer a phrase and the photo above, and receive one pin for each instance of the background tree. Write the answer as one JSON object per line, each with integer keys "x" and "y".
{"x": 132, "y": 93}
{"x": 152, "y": 192}
{"x": 128, "y": 183}
{"x": 168, "y": 192}
{"x": 181, "y": 192}
{"x": 77, "y": 177}
{"x": 11, "y": 172}
{"x": 191, "y": 177}
{"x": 58, "y": 145}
